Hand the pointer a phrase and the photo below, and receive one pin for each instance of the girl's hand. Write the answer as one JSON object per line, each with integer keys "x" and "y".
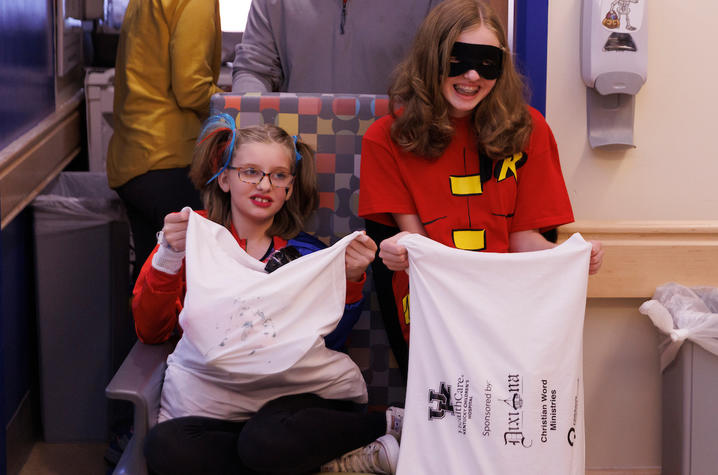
{"x": 394, "y": 256}
{"x": 175, "y": 229}
{"x": 596, "y": 257}
{"x": 359, "y": 254}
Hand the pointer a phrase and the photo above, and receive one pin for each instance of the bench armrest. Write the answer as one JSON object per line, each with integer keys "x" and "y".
{"x": 139, "y": 380}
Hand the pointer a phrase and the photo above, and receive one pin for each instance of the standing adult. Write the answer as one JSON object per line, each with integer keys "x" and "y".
{"x": 325, "y": 45}
{"x": 167, "y": 66}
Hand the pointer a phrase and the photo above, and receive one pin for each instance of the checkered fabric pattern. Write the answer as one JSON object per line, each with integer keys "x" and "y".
{"x": 333, "y": 124}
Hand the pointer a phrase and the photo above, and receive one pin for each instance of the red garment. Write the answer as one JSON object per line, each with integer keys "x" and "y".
{"x": 524, "y": 192}
{"x": 459, "y": 205}
{"x": 158, "y": 296}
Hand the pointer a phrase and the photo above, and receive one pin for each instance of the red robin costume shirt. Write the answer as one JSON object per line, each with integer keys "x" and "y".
{"x": 463, "y": 199}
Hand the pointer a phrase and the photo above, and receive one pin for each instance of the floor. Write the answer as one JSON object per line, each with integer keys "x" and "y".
{"x": 88, "y": 459}
{"x": 66, "y": 459}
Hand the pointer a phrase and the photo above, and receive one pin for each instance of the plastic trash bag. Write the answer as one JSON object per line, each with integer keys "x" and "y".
{"x": 76, "y": 200}
{"x": 684, "y": 313}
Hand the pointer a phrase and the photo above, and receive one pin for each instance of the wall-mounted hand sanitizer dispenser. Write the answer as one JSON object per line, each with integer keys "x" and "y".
{"x": 613, "y": 66}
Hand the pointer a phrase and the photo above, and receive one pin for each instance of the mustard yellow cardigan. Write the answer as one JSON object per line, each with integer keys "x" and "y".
{"x": 168, "y": 63}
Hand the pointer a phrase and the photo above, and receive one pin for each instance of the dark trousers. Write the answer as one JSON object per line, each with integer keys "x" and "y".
{"x": 385, "y": 295}
{"x": 148, "y": 199}
{"x": 290, "y": 435}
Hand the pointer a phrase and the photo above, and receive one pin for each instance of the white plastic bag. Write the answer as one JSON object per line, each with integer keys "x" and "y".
{"x": 684, "y": 313}
{"x": 76, "y": 201}
{"x": 495, "y": 380}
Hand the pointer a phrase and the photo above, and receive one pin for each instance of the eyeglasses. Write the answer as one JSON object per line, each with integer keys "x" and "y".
{"x": 279, "y": 179}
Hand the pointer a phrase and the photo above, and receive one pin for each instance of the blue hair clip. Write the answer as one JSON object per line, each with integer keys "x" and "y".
{"x": 209, "y": 124}
{"x": 297, "y": 155}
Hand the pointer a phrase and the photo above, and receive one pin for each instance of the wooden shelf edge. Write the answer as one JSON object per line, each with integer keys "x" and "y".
{"x": 642, "y": 255}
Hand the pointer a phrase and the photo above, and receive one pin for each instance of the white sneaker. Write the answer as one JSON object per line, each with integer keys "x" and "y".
{"x": 381, "y": 456}
{"x": 394, "y": 421}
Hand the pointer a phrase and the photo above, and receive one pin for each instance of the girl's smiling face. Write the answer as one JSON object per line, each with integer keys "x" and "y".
{"x": 464, "y": 92}
{"x": 256, "y": 204}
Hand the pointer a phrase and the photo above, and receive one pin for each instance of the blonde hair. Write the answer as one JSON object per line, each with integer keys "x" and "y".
{"x": 501, "y": 120}
{"x": 209, "y": 159}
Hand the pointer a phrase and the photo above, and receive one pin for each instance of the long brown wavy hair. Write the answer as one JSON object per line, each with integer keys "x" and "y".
{"x": 208, "y": 160}
{"x": 501, "y": 120}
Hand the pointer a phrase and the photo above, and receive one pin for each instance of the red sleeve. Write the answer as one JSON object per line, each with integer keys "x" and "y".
{"x": 542, "y": 200}
{"x": 354, "y": 290}
{"x": 382, "y": 189}
{"x": 156, "y": 302}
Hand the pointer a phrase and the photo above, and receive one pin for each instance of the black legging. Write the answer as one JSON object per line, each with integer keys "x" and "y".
{"x": 385, "y": 295}
{"x": 290, "y": 435}
{"x": 148, "y": 198}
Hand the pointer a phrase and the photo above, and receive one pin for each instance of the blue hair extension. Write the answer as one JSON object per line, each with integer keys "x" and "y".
{"x": 297, "y": 155}
{"x": 228, "y": 123}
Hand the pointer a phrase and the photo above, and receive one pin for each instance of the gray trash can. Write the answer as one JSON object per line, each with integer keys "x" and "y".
{"x": 690, "y": 376}
{"x": 82, "y": 284}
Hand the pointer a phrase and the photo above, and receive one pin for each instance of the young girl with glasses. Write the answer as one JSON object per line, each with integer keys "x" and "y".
{"x": 462, "y": 158}
{"x": 260, "y": 183}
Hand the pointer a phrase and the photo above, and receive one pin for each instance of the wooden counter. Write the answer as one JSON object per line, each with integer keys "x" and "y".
{"x": 37, "y": 157}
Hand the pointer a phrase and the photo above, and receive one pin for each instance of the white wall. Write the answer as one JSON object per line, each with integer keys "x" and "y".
{"x": 622, "y": 387}
{"x": 671, "y": 175}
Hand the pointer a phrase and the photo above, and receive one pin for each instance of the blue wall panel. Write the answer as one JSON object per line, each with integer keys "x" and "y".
{"x": 3, "y": 457}
{"x": 27, "y": 86}
{"x": 531, "y": 32}
{"x": 17, "y": 289}
{"x": 26, "y": 97}
{"x": 17, "y": 315}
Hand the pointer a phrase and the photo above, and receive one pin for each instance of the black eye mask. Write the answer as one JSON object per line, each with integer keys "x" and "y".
{"x": 484, "y": 59}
